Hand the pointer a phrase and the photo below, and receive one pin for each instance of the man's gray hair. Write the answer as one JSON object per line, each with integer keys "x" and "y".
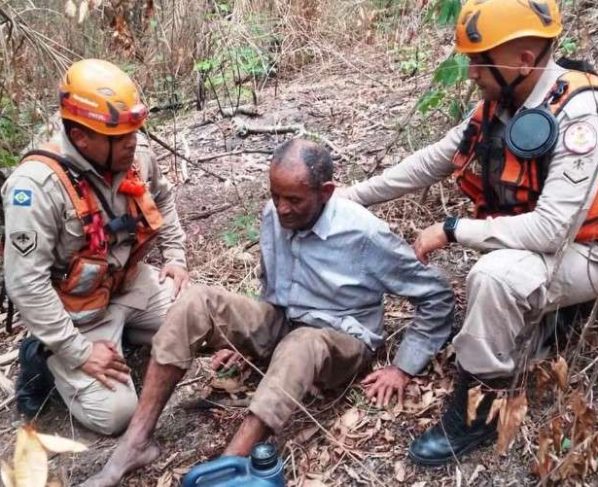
{"x": 315, "y": 157}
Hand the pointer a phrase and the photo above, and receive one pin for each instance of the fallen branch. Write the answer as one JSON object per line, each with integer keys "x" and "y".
{"x": 159, "y": 141}
{"x": 6, "y": 385}
{"x": 7, "y": 402}
{"x": 207, "y": 213}
{"x": 8, "y": 358}
{"x": 242, "y": 129}
{"x": 247, "y": 110}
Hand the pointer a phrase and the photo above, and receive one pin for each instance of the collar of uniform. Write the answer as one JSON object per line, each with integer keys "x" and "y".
{"x": 551, "y": 72}
{"x": 321, "y": 228}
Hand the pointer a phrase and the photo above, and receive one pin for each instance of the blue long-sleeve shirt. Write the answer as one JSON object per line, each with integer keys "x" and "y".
{"x": 336, "y": 274}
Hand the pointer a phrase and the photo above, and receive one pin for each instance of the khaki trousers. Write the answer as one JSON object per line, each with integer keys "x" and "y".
{"x": 301, "y": 356}
{"x": 508, "y": 288}
{"x": 95, "y": 406}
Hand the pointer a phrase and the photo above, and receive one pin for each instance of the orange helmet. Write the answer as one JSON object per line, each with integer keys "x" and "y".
{"x": 101, "y": 97}
{"x": 485, "y": 24}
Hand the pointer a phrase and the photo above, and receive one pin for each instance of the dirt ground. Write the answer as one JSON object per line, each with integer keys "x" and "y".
{"x": 356, "y": 107}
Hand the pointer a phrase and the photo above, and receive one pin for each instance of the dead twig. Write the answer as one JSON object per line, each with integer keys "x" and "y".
{"x": 207, "y": 213}
{"x": 166, "y": 146}
{"x": 8, "y": 358}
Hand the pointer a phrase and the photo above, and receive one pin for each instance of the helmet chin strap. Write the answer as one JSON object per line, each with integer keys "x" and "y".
{"x": 110, "y": 156}
{"x": 507, "y": 90}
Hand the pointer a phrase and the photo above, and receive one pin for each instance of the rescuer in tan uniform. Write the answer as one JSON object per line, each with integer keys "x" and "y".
{"x": 81, "y": 213}
{"x": 527, "y": 157}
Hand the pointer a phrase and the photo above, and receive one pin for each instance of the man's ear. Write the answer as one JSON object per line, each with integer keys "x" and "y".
{"x": 327, "y": 189}
{"x": 527, "y": 60}
{"x": 78, "y": 137}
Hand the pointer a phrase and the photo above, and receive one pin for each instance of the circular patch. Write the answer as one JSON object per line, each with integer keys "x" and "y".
{"x": 580, "y": 138}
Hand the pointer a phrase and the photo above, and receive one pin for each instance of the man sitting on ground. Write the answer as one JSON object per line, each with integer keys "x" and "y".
{"x": 327, "y": 263}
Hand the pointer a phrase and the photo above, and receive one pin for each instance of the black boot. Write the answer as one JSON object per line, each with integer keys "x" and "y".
{"x": 452, "y": 437}
{"x": 35, "y": 381}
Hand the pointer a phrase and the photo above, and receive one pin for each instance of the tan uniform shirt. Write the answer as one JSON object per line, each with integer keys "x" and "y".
{"x": 566, "y": 188}
{"x": 43, "y": 232}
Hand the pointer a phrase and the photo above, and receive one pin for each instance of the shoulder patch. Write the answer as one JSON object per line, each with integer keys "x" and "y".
{"x": 580, "y": 138}
{"x": 24, "y": 242}
{"x": 22, "y": 197}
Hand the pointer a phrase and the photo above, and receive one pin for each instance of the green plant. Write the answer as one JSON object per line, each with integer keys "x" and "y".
{"x": 445, "y": 11}
{"x": 242, "y": 228}
{"x": 450, "y": 74}
{"x": 568, "y": 46}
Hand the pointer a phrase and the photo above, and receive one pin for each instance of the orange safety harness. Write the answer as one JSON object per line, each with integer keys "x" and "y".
{"x": 85, "y": 289}
{"x": 525, "y": 177}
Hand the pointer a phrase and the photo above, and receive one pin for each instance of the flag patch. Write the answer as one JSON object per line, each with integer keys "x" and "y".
{"x": 22, "y": 197}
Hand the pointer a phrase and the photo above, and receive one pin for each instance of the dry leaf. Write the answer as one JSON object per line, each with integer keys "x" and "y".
{"x": 231, "y": 385}
{"x": 70, "y": 9}
{"x": 544, "y": 380}
{"x": 474, "y": 399}
{"x": 400, "y": 471}
{"x": 313, "y": 483}
{"x": 58, "y": 444}
{"x": 388, "y": 436}
{"x": 478, "y": 469}
{"x": 509, "y": 422}
{"x": 96, "y": 3}
{"x": 165, "y": 480}
{"x": 31, "y": 460}
{"x": 305, "y": 434}
{"x": 349, "y": 420}
{"x": 584, "y": 417}
{"x": 83, "y": 10}
{"x": 557, "y": 434}
{"x": 497, "y": 405}
{"x": 561, "y": 371}
{"x": 543, "y": 464}
{"x": 6, "y": 474}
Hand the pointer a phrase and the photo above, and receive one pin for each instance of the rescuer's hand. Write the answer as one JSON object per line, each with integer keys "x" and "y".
{"x": 106, "y": 364}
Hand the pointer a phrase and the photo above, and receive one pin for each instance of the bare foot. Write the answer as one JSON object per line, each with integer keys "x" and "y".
{"x": 125, "y": 458}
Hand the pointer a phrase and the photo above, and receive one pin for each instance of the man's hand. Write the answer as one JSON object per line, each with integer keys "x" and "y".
{"x": 106, "y": 363}
{"x": 429, "y": 240}
{"x": 179, "y": 275}
{"x": 225, "y": 359}
{"x": 382, "y": 384}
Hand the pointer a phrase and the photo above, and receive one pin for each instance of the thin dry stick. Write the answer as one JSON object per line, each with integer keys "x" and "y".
{"x": 327, "y": 433}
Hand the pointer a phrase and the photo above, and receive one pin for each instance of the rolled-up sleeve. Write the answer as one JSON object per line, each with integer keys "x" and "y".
{"x": 392, "y": 263}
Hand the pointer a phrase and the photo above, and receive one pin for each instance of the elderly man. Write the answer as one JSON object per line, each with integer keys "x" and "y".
{"x": 527, "y": 157}
{"x": 81, "y": 214}
{"x": 327, "y": 263}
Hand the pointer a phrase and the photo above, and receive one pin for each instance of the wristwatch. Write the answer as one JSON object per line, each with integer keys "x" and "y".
{"x": 449, "y": 227}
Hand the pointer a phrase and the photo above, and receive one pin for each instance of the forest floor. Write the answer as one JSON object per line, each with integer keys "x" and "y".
{"x": 356, "y": 103}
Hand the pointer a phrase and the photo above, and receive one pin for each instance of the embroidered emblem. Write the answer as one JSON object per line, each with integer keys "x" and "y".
{"x": 577, "y": 172}
{"x": 24, "y": 242}
{"x": 22, "y": 197}
{"x": 580, "y": 138}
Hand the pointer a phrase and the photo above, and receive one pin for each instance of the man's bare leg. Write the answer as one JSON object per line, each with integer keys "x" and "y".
{"x": 251, "y": 431}
{"x": 136, "y": 447}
